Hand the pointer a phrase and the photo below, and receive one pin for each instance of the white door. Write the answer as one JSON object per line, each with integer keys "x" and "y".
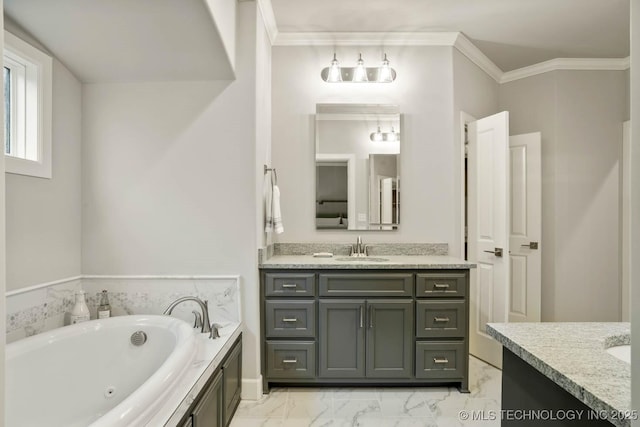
{"x": 488, "y": 221}
{"x": 386, "y": 200}
{"x": 525, "y": 230}
{"x": 626, "y": 218}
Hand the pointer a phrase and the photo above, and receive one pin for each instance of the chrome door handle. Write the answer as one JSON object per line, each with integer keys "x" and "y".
{"x": 531, "y": 245}
{"x": 361, "y": 318}
{"x": 497, "y": 252}
{"x": 370, "y": 318}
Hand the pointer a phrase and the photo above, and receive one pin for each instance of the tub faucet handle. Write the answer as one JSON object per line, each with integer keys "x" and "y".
{"x": 214, "y": 331}
{"x": 197, "y": 322}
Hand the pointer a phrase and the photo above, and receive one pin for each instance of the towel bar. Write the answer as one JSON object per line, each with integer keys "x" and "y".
{"x": 275, "y": 173}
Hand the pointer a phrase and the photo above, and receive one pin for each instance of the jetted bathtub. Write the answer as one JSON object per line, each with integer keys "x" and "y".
{"x": 90, "y": 374}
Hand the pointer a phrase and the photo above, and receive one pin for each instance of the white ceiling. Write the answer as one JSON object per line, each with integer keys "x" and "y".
{"x": 512, "y": 33}
{"x": 127, "y": 41}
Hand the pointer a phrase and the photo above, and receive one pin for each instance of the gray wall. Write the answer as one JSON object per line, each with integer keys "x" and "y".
{"x": 3, "y": 242}
{"x": 580, "y": 115}
{"x": 43, "y": 215}
{"x": 475, "y": 93}
{"x": 635, "y": 208}
{"x": 170, "y": 178}
{"x": 424, "y": 93}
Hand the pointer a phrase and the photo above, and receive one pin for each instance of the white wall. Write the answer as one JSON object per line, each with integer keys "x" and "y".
{"x": 475, "y": 93}
{"x": 169, "y": 174}
{"x": 223, "y": 13}
{"x": 43, "y": 215}
{"x": 635, "y": 208}
{"x": 580, "y": 115}
{"x": 3, "y": 241}
{"x": 424, "y": 92}
{"x": 263, "y": 122}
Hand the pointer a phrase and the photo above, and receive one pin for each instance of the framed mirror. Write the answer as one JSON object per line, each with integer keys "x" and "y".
{"x": 357, "y": 167}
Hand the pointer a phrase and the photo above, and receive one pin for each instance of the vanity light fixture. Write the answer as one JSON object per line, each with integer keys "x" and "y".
{"x": 358, "y": 74}
{"x": 334, "y": 75}
{"x": 384, "y": 72}
{"x": 378, "y": 135}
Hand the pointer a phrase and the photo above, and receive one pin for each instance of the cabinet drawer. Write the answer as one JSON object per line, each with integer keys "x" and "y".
{"x": 286, "y": 318}
{"x": 440, "y": 360}
{"x": 378, "y": 284}
{"x": 291, "y": 359}
{"x": 441, "y": 284}
{"x": 441, "y": 318}
{"x": 290, "y": 284}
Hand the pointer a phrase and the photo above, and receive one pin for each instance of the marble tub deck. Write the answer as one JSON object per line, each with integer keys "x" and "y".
{"x": 380, "y": 407}
{"x": 574, "y": 356}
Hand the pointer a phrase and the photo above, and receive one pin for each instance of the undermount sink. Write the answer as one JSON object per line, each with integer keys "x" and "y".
{"x": 362, "y": 259}
{"x": 622, "y": 352}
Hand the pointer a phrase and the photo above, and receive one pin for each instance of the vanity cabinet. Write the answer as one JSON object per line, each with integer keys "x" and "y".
{"x": 364, "y": 326}
{"x": 218, "y": 400}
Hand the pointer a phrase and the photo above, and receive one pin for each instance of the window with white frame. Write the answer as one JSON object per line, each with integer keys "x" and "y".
{"x": 27, "y": 108}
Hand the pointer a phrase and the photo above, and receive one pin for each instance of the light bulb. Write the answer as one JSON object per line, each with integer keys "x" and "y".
{"x": 335, "y": 74}
{"x": 391, "y": 136}
{"x": 360, "y": 72}
{"x": 376, "y": 136}
{"x": 384, "y": 72}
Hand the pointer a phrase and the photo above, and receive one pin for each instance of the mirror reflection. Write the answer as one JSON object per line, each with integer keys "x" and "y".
{"x": 357, "y": 167}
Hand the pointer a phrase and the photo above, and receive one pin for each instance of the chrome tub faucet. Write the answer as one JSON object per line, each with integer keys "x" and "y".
{"x": 200, "y": 320}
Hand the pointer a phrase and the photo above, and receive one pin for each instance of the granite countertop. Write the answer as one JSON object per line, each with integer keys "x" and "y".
{"x": 574, "y": 356}
{"x": 412, "y": 262}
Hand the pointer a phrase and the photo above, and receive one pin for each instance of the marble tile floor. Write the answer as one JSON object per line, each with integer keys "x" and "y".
{"x": 380, "y": 407}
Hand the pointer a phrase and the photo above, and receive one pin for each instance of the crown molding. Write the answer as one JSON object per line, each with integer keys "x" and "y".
{"x": 269, "y": 19}
{"x": 597, "y": 64}
{"x": 365, "y": 39}
{"x": 476, "y": 56}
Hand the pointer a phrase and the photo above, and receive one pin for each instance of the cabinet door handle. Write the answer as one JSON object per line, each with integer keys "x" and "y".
{"x": 289, "y": 319}
{"x": 441, "y": 319}
{"x": 294, "y": 360}
{"x": 361, "y": 318}
{"x": 440, "y": 361}
{"x": 370, "y": 314}
{"x": 289, "y": 285}
{"x": 440, "y": 286}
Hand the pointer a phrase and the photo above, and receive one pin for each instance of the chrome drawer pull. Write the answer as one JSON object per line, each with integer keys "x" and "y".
{"x": 440, "y": 361}
{"x": 289, "y": 285}
{"x": 441, "y": 286}
{"x": 441, "y": 319}
{"x": 292, "y": 320}
{"x": 289, "y": 360}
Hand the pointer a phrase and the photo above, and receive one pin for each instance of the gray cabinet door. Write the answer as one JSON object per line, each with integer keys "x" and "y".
{"x": 232, "y": 382}
{"x": 389, "y": 338}
{"x": 341, "y": 338}
{"x": 208, "y": 412}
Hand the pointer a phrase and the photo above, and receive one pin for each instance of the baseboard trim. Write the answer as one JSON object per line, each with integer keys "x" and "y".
{"x": 251, "y": 388}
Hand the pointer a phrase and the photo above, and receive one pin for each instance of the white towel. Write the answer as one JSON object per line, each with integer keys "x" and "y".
{"x": 273, "y": 215}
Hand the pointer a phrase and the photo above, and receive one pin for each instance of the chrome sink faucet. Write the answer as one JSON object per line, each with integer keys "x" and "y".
{"x": 359, "y": 250}
{"x": 202, "y": 321}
